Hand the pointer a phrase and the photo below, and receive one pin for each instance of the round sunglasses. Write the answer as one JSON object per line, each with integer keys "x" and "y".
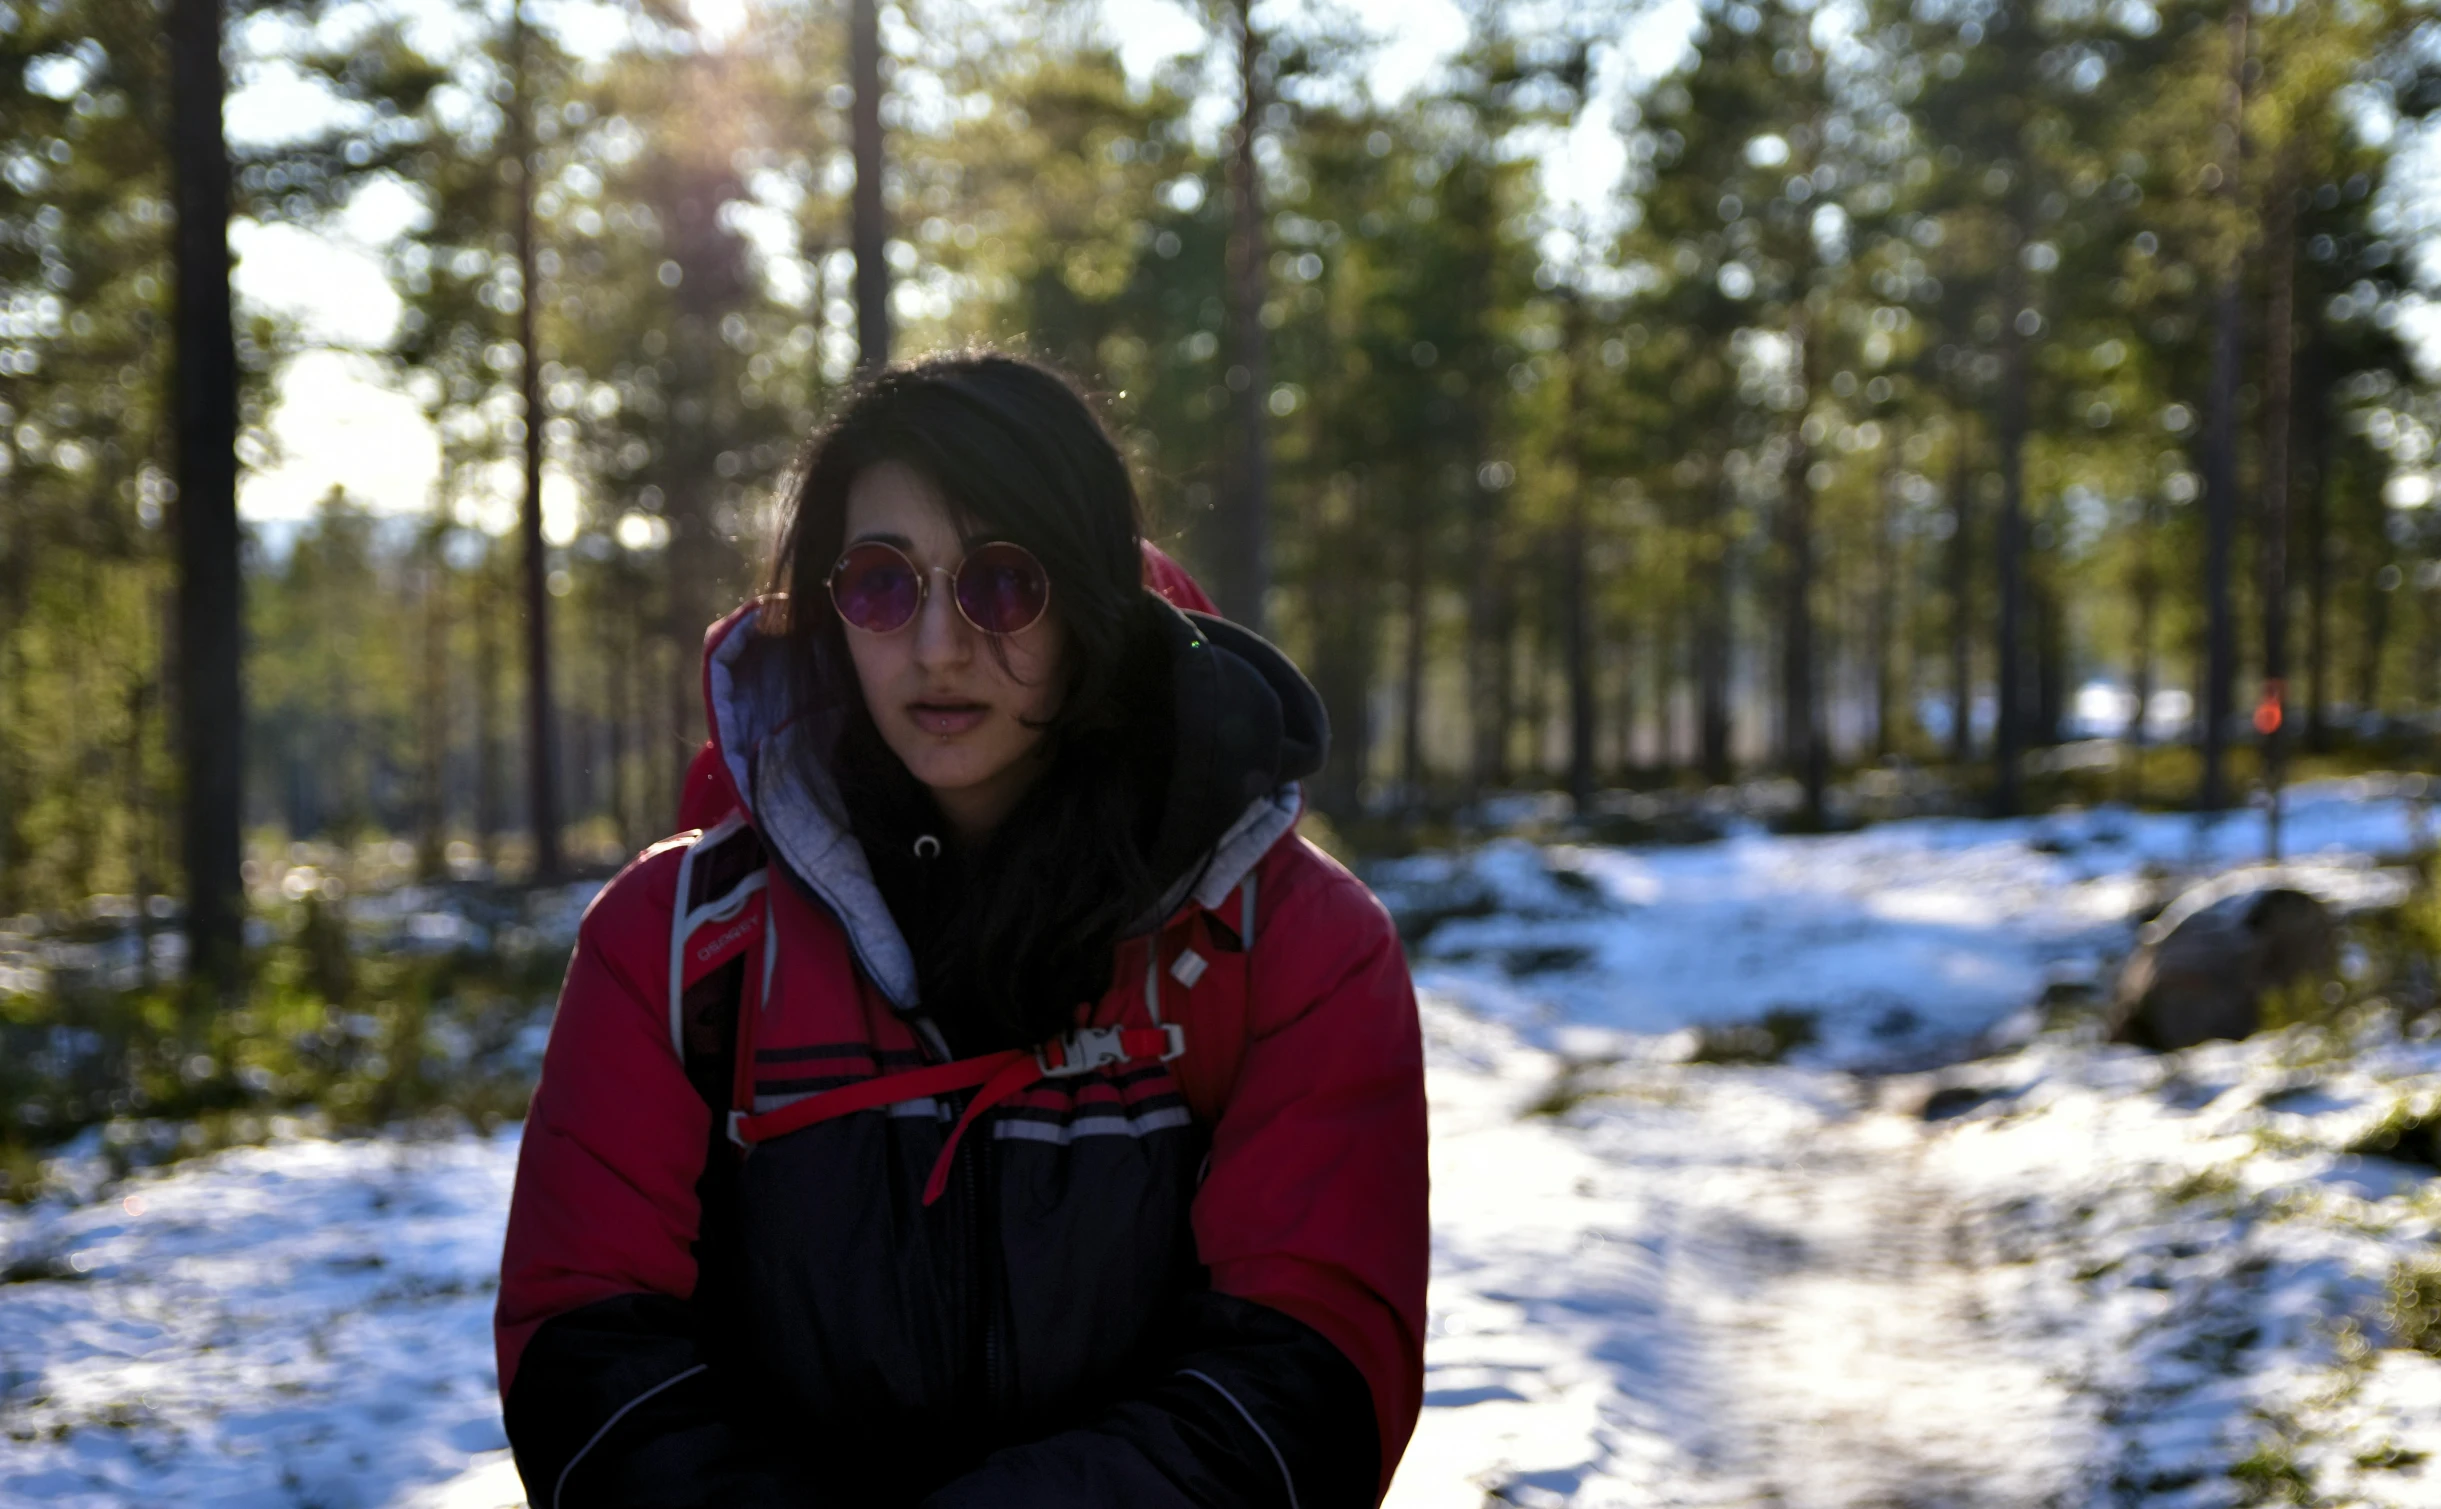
{"x": 999, "y": 588}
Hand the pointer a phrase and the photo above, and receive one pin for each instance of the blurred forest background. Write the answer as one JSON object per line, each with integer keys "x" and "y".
{"x": 1941, "y": 381}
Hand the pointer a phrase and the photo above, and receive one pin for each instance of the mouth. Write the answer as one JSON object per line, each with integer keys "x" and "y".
{"x": 947, "y": 717}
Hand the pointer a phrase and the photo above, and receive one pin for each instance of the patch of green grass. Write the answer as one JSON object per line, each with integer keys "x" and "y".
{"x": 2390, "y": 1456}
{"x": 2410, "y": 1131}
{"x": 2411, "y": 1309}
{"x": 1780, "y": 1033}
{"x": 2389, "y": 976}
{"x": 354, "y": 1040}
{"x": 1571, "y": 1087}
{"x": 2219, "y": 1182}
{"x": 2279, "y": 1143}
{"x": 2310, "y": 1000}
{"x": 2271, "y": 1475}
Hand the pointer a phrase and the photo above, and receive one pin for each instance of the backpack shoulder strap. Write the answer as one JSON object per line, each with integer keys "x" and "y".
{"x": 719, "y": 928}
{"x": 1216, "y": 1037}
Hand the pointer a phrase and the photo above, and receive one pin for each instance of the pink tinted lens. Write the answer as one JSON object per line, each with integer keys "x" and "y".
{"x": 875, "y": 588}
{"x": 1002, "y": 588}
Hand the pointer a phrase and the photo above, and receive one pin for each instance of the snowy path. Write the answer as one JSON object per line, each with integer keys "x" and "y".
{"x": 1723, "y": 1287}
{"x": 1850, "y": 1319}
{"x": 2111, "y": 1279}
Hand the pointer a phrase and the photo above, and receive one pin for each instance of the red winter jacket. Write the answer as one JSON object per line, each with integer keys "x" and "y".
{"x": 1197, "y": 1281}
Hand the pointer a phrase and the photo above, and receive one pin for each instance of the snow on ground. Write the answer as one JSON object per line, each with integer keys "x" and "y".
{"x": 1876, "y": 1275}
{"x": 1904, "y": 940}
{"x": 2103, "y": 1278}
{"x": 303, "y": 1323}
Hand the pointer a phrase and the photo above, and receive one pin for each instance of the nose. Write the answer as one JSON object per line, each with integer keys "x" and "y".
{"x": 940, "y": 630}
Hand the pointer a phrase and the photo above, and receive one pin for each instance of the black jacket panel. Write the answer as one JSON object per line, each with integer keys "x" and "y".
{"x": 1256, "y": 1409}
{"x": 614, "y": 1408}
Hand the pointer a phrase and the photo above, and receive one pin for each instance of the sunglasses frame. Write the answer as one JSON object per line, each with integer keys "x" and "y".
{"x": 923, "y": 586}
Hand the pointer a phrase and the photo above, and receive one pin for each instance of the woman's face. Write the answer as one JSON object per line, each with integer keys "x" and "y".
{"x": 965, "y": 721}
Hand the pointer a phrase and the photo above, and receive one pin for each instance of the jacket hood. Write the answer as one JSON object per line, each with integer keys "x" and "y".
{"x": 1248, "y": 727}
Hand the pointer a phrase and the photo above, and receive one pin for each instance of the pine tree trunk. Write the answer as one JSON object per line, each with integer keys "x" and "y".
{"x": 1418, "y": 607}
{"x": 211, "y": 706}
{"x": 1340, "y": 604}
{"x": 617, "y": 696}
{"x": 1243, "y": 560}
{"x": 2377, "y": 642}
{"x": 1487, "y": 619}
{"x": 432, "y": 714}
{"x": 818, "y": 317}
{"x": 2009, "y": 434}
{"x": 1528, "y": 701}
{"x": 139, "y": 798}
{"x": 489, "y": 786}
{"x": 1495, "y": 659}
{"x": 1884, "y": 611}
{"x": 1961, "y": 605}
{"x": 1577, "y": 588}
{"x": 667, "y": 718}
{"x": 2221, "y": 465}
{"x": 2425, "y": 684}
{"x": 2314, "y": 410}
{"x": 542, "y": 722}
{"x": 1800, "y": 731}
{"x": 16, "y": 719}
{"x": 869, "y": 230}
{"x": 700, "y": 560}
{"x": 1624, "y": 702}
{"x": 2145, "y": 587}
{"x": 1712, "y": 646}
{"x": 2271, "y": 539}
{"x": 1674, "y": 660}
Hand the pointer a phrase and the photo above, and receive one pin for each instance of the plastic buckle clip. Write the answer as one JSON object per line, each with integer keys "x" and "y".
{"x": 1082, "y": 1051}
{"x": 1090, "y": 1048}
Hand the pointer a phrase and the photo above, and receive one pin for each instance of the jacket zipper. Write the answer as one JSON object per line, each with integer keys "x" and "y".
{"x": 981, "y": 1269}
{"x": 973, "y": 1386}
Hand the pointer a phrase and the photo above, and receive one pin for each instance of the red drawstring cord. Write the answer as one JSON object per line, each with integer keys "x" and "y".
{"x": 1000, "y": 1075}
{"x": 1010, "y": 1079}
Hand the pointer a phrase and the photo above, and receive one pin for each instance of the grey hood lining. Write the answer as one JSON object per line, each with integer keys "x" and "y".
{"x": 778, "y": 753}
{"x": 1263, "y": 823}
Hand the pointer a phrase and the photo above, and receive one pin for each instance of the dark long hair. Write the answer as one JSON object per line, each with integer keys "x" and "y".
{"x": 1008, "y": 941}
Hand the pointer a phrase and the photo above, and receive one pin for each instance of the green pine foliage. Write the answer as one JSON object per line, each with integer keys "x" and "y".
{"x": 1760, "y": 384}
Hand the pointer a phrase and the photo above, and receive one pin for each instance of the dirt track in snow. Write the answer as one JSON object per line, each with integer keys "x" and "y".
{"x": 1721, "y": 1287}
{"x": 1859, "y": 1363}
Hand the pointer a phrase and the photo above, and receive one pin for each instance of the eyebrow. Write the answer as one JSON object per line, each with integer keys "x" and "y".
{"x": 968, "y": 545}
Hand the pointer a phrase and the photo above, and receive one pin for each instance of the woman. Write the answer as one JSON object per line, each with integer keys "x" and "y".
{"x": 994, "y": 1103}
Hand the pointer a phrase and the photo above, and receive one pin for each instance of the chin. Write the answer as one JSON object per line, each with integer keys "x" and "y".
{"x": 948, "y": 767}
{"x": 944, "y": 772}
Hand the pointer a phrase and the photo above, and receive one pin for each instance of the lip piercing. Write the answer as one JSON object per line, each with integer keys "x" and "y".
{"x": 927, "y": 846}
